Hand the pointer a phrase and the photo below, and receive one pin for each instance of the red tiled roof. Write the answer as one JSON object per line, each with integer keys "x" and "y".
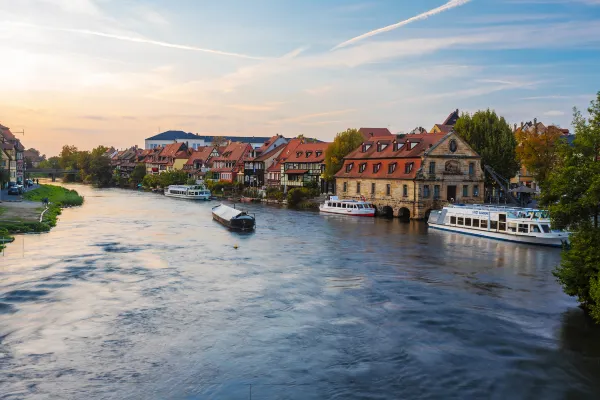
{"x": 296, "y": 171}
{"x": 307, "y": 152}
{"x": 444, "y": 128}
{"x": 202, "y": 154}
{"x": 370, "y": 153}
{"x": 288, "y": 150}
{"x": 270, "y": 153}
{"x": 171, "y": 149}
{"x": 5, "y": 131}
{"x": 182, "y": 155}
{"x": 368, "y": 133}
{"x": 266, "y": 145}
{"x": 452, "y": 118}
{"x": 235, "y": 151}
{"x": 423, "y": 142}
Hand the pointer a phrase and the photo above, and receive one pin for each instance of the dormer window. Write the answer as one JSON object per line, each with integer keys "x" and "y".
{"x": 381, "y": 146}
{"x": 298, "y": 153}
{"x": 349, "y": 167}
{"x": 412, "y": 145}
{"x": 376, "y": 167}
{"x": 366, "y": 147}
{"x": 408, "y": 167}
{"x": 362, "y": 167}
{"x": 308, "y": 153}
{"x": 398, "y": 146}
{"x": 392, "y": 167}
{"x": 318, "y": 153}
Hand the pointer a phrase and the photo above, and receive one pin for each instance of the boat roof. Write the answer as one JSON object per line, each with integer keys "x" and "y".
{"x": 186, "y": 186}
{"x": 493, "y": 208}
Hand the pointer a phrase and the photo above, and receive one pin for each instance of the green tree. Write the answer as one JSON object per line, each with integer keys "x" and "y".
{"x": 343, "y": 144}
{"x": 52, "y": 162}
{"x": 172, "y": 178}
{"x": 572, "y": 195}
{"x": 491, "y": 137}
{"x": 539, "y": 151}
{"x": 137, "y": 175}
{"x": 68, "y": 157}
{"x": 100, "y": 170}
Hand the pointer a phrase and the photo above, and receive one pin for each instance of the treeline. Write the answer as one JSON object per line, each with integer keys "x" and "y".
{"x": 90, "y": 166}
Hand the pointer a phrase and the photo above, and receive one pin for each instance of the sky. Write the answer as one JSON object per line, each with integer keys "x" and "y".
{"x": 113, "y": 72}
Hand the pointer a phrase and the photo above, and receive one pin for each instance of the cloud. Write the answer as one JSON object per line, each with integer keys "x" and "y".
{"x": 319, "y": 90}
{"x": 554, "y": 113}
{"x": 152, "y": 17}
{"x": 135, "y": 40}
{"x": 87, "y": 7}
{"x": 449, "y": 5}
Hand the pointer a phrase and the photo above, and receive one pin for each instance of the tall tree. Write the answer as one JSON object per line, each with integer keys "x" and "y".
{"x": 492, "y": 138}
{"x": 68, "y": 157}
{"x": 344, "y": 143}
{"x": 538, "y": 150}
{"x": 100, "y": 170}
{"x": 137, "y": 175}
{"x": 219, "y": 141}
{"x": 572, "y": 195}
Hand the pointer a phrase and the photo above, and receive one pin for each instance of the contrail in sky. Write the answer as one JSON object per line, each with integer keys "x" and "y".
{"x": 140, "y": 40}
{"x": 449, "y": 5}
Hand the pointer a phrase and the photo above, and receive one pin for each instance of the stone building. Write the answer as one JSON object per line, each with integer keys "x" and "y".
{"x": 409, "y": 175}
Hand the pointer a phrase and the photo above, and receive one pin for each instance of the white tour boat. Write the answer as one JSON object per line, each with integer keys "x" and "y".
{"x": 348, "y": 207}
{"x": 522, "y": 225}
{"x": 190, "y": 192}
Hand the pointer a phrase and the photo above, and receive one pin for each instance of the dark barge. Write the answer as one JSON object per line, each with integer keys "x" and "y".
{"x": 233, "y": 218}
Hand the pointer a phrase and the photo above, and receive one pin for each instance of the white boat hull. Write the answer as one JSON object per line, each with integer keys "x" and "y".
{"x": 188, "y": 197}
{"x": 509, "y": 237}
{"x": 350, "y": 212}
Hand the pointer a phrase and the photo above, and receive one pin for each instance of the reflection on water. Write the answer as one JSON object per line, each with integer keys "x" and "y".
{"x": 136, "y": 296}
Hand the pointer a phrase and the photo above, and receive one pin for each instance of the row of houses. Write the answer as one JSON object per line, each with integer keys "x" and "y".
{"x": 11, "y": 155}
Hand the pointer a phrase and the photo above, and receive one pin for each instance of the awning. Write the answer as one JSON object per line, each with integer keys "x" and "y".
{"x": 154, "y": 169}
{"x": 296, "y": 171}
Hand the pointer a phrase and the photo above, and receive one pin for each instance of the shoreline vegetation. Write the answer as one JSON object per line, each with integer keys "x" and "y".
{"x": 31, "y": 216}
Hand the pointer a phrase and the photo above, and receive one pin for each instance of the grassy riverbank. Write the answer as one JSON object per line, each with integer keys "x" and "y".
{"x": 24, "y": 217}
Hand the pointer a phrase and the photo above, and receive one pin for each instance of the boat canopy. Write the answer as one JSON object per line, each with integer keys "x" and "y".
{"x": 226, "y": 212}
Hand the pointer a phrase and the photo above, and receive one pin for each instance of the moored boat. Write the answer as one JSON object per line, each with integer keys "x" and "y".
{"x": 190, "y": 192}
{"x": 347, "y": 207}
{"x": 521, "y": 225}
{"x": 233, "y": 218}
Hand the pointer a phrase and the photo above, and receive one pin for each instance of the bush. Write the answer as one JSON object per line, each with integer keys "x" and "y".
{"x": 298, "y": 195}
{"x": 251, "y": 192}
{"x": 275, "y": 194}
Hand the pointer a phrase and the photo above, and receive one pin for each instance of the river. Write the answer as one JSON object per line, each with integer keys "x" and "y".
{"x": 139, "y": 296}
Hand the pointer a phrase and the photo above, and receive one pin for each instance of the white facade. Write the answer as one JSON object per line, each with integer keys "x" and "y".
{"x": 195, "y": 141}
{"x": 191, "y": 143}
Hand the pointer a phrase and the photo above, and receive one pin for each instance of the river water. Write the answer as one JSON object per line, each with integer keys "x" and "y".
{"x": 138, "y": 296}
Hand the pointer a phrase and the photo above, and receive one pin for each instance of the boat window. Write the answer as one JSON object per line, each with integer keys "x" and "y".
{"x": 343, "y": 205}
{"x": 475, "y": 223}
{"x": 483, "y": 224}
{"x": 460, "y": 221}
{"x": 360, "y": 206}
{"x": 467, "y": 221}
{"x": 523, "y": 228}
{"x": 535, "y": 229}
{"x": 494, "y": 225}
{"x": 546, "y": 228}
{"x": 502, "y": 225}
{"x": 512, "y": 226}
{"x": 453, "y": 220}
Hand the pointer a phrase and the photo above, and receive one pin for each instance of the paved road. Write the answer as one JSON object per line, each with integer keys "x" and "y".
{"x": 4, "y": 196}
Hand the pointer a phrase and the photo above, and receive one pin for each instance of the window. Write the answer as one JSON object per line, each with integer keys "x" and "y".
{"x": 453, "y": 220}
{"x": 366, "y": 147}
{"x": 483, "y": 224}
{"x": 460, "y": 221}
{"x": 357, "y": 187}
{"x": 349, "y": 167}
{"x": 362, "y": 167}
{"x": 426, "y": 191}
{"x": 381, "y": 146}
{"x": 392, "y": 168}
{"x": 436, "y": 192}
{"x": 467, "y": 221}
{"x": 408, "y": 167}
{"x": 405, "y": 190}
{"x": 471, "y": 168}
{"x": 493, "y": 225}
{"x": 475, "y": 190}
{"x": 376, "y": 167}
{"x": 318, "y": 153}
{"x": 432, "y": 168}
{"x": 398, "y": 146}
{"x": 535, "y": 229}
{"x": 308, "y": 153}
{"x": 412, "y": 145}
{"x": 388, "y": 189}
{"x": 466, "y": 191}
{"x": 372, "y": 188}
{"x": 523, "y": 228}
{"x": 546, "y": 228}
{"x": 345, "y": 187}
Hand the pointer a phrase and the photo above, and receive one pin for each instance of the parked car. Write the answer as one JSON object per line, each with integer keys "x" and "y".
{"x": 14, "y": 190}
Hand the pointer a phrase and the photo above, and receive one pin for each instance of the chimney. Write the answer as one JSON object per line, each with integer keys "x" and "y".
{"x": 521, "y": 124}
